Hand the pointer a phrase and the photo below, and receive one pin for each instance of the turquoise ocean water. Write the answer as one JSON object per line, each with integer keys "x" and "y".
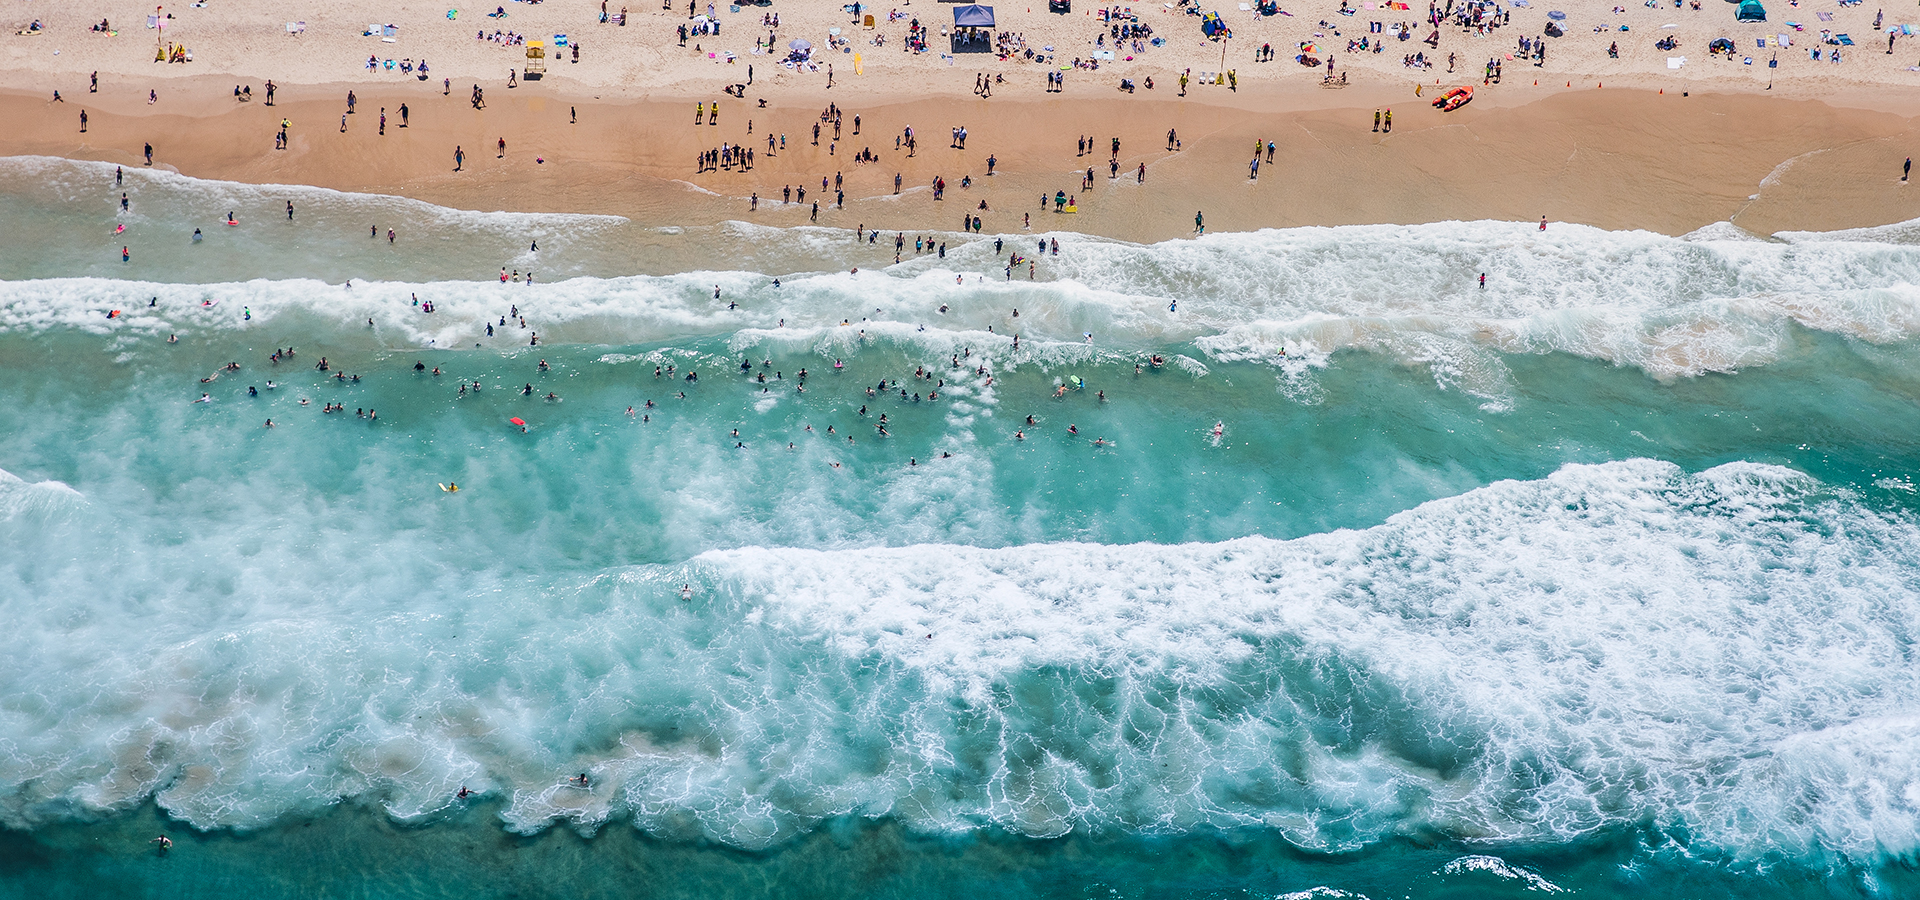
{"x": 1602, "y": 579}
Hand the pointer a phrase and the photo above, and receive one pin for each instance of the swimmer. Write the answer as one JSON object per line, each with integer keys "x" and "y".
{"x": 629, "y": 412}
{"x": 253, "y": 391}
{"x": 305, "y": 402}
{"x": 463, "y": 793}
{"x": 686, "y": 592}
{"x": 166, "y": 843}
{"x": 579, "y": 780}
{"x": 1019, "y": 435}
{"x": 1219, "y": 428}
{"x": 269, "y": 424}
{"x": 205, "y": 398}
{"x": 1072, "y": 428}
{"x": 173, "y": 339}
{"x": 271, "y": 385}
{"x": 450, "y": 488}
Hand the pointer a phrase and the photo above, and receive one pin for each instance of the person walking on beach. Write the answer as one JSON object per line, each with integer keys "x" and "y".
{"x": 93, "y": 83}
{"x": 383, "y": 121}
{"x": 1376, "y": 118}
{"x": 270, "y": 87}
{"x": 343, "y": 124}
{"x": 149, "y": 154}
{"x": 1904, "y": 170}
{"x": 1386, "y": 126}
{"x": 1543, "y": 223}
{"x": 289, "y": 210}
{"x": 459, "y": 157}
{"x": 351, "y": 101}
{"x": 1199, "y": 224}
{"x": 83, "y": 121}
{"x": 503, "y": 149}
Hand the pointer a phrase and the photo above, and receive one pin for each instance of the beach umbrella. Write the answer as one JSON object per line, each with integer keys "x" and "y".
{"x": 798, "y": 44}
{"x": 1556, "y": 15}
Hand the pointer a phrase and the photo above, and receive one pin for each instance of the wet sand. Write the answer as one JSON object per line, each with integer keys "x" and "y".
{"x": 1613, "y": 158}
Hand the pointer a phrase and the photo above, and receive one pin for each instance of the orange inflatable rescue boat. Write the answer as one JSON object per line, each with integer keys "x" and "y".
{"x": 1454, "y": 99}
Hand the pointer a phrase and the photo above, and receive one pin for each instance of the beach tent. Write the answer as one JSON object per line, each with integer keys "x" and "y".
{"x": 974, "y": 16}
{"x": 1211, "y": 25}
{"x": 1751, "y": 11}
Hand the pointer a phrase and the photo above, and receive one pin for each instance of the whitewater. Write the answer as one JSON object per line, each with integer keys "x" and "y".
{"x": 1338, "y": 575}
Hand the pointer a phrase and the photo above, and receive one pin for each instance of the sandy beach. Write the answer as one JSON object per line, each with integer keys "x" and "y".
{"x": 1583, "y": 137}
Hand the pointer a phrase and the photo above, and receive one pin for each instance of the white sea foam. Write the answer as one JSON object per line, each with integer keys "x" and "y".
{"x": 1618, "y": 645}
{"x": 20, "y": 499}
{"x": 1672, "y": 307}
{"x": 1503, "y": 870}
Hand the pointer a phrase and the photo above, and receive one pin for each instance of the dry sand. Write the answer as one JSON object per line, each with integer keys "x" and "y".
{"x": 1653, "y": 148}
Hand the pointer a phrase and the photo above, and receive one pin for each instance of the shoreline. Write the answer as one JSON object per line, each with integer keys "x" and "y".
{"x": 1612, "y": 158}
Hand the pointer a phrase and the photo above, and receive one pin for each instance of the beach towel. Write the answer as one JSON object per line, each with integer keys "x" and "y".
{"x": 1675, "y": 62}
{"x": 1843, "y": 39}
{"x": 1824, "y": 16}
